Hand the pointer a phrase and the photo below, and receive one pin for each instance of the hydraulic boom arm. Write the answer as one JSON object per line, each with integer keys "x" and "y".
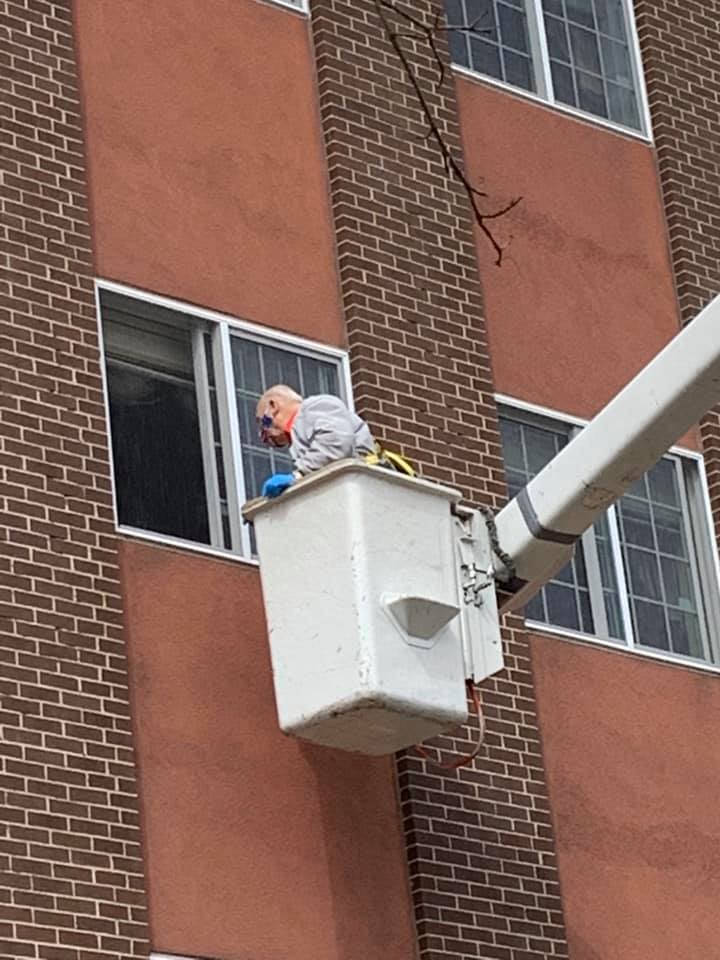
{"x": 539, "y": 528}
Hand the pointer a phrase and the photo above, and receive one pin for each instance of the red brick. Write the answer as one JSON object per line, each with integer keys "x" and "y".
{"x": 413, "y": 307}
{"x": 51, "y": 453}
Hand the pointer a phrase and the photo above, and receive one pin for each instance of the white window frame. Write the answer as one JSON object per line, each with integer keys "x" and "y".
{"x": 705, "y": 559}
{"x": 221, "y": 326}
{"x": 303, "y": 7}
{"x": 543, "y": 78}
{"x": 171, "y": 956}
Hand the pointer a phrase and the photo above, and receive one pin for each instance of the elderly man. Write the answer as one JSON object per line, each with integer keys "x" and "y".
{"x": 318, "y": 431}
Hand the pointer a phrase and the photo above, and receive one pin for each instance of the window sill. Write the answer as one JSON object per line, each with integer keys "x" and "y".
{"x": 554, "y": 105}
{"x": 163, "y": 540}
{"x": 575, "y": 636}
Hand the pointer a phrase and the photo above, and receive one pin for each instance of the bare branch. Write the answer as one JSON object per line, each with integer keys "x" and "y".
{"x": 453, "y": 167}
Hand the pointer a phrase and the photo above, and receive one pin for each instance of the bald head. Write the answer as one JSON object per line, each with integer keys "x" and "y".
{"x": 278, "y": 404}
{"x": 280, "y": 392}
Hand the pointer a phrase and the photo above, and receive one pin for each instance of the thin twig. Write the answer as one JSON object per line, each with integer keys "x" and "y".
{"x": 452, "y": 166}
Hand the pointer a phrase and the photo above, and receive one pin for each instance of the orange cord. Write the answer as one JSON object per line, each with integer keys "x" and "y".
{"x": 466, "y": 758}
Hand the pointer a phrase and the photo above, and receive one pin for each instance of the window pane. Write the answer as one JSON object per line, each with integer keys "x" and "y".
{"x": 586, "y": 54}
{"x": 663, "y": 483}
{"x": 485, "y": 58}
{"x": 515, "y": 482}
{"x": 586, "y": 618}
{"x": 535, "y": 609}
{"x": 644, "y": 575}
{"x": 562, "y": 606}
{"x": 650, "y": 626}
{"x": 458, "y": 43}
{"x": 591, "y": 94}
{"x": 481, "y": 16}
{"x": 318, "y": 377}
{"x": 677, "y": 583}
{"x": 669, "y": 528}
{"x": 558, "y": 46}
{"x": 610, "y": 18}
{"x": 616, "y": 629}
{"x": 513, "y": 29}
{"x": 540, "y": 446}
{"x": 258, "y": 366}
{"x": 663, "y": 571}
{"x": 685, "y": 633}
{"x": 512, "y": 444}
{"x": 281, "y": 366}
{"x": 563, "y": 84}
{"x": 517, "y": 70}
{"x": 622, "y": 105}
{"x": 157, "y": 454}
{"x": 636, "y": 522}
{"x": 605, "y": 559}
{"x": 246, "y": 366}
{"x": 580, "y": 11}
{"x": 616, "y": 62}
{"x": 454, "y": 13}
{"x": 602, "y": 81}
{"x": 155, "y": 429}
{"x": 497, "y": 39}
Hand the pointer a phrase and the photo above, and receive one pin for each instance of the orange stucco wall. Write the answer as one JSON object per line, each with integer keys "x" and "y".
{"x": 257, "y": 845}
{"x": 633, "y": 766}
{"x": 584, "y": 296}
{"x": 207, "y": 174}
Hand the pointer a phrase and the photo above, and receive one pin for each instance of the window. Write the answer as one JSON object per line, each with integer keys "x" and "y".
{"x": 643, "y": 576}
{"x": 182, "y": 391}
{"x": 296, "y": 4}
{"x": 573, "y": 52}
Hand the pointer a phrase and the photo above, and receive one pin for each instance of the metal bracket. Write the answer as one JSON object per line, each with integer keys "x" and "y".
{"x": 482, "y": 643}
{"x": 471, "y": 584}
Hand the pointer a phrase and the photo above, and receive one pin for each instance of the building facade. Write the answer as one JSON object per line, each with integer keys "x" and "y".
{"x": 201, "y": 199}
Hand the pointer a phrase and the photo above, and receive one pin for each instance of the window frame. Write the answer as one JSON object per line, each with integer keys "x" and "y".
{"x": 303, "y": 7}
{"x": 545, "y": 94}
{"x": 221, "y": 327}
{"x": 704, "y": 555}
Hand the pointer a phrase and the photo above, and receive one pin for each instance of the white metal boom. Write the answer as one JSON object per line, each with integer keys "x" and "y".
{"x": 540, "y": 527}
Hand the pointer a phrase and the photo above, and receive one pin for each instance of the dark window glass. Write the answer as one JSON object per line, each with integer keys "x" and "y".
{"x": 610, "y": 18}
{"x": 156, "y": 452}
{"x": 591, "y": 94}
{"x": 558, "y": 46}
{"x": 580, "y": 11}
{"x": 495, "y": 41}
{"x": 517, "y": 70}
{"x": 513, "y": 29}
{"x": 591, "y": 37}
{"x": 563, "y": 83}
{"x": 664, "y": 592}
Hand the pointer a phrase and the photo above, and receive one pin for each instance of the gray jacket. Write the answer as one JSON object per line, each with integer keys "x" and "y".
{"x": 325, "y": 430}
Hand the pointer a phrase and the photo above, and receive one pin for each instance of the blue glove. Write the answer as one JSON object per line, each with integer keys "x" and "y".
{"x": 275, "y": 484}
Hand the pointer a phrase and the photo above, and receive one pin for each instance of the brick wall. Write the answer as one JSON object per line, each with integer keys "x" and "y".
{"x": 679, "y": 41}
{"x": 72, "y": 884}
{"x": 480, "y": 844}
